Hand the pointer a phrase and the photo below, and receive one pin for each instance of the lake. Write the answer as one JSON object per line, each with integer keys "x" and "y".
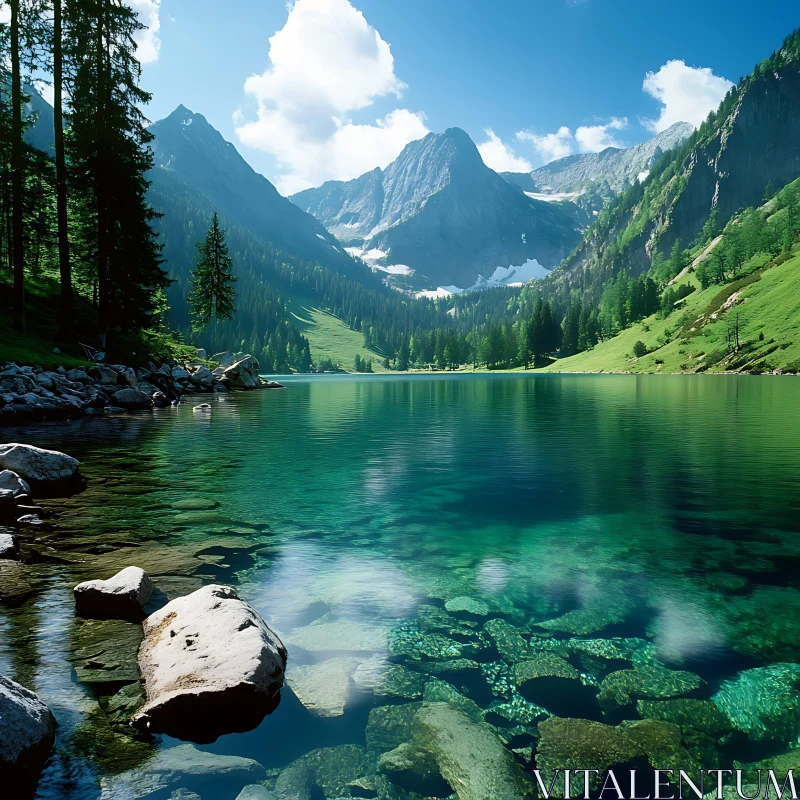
{"x": 517, "y": 548}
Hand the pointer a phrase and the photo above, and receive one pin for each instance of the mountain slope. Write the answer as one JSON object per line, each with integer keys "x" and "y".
{"x": 187, "y": 147}
{"x": 751, "y": 143}
{"x": 441, "y": 211}
{"x": 612, "y": 168}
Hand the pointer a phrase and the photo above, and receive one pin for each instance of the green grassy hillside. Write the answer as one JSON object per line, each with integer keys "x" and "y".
{"x": 330, "y": 337}
{"x": 694, "y": 338}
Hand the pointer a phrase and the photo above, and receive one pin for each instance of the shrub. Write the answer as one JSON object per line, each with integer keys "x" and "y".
{"x": 640, "y": 349}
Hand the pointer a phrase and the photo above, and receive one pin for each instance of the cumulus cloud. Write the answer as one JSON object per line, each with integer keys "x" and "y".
{"x": 586, "y": 139}
{"x": 594, "y": 138}
{"x": 688, "y": 94}
{"x": 550, "y": 146}
{"x": 147, "y": 41}
{"x": 326, "y": 63}
{"x": 497, "y": 155}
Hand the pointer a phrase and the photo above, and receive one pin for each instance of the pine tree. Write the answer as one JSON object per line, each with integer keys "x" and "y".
{"x": 213, "y": 290}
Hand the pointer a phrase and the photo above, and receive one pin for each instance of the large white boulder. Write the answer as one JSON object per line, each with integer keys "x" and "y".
{"x": 27, "y": 733}
{"x": 211, "y": 665}
{"x": 122, "y": 596}
{"x": 36, "y": 464}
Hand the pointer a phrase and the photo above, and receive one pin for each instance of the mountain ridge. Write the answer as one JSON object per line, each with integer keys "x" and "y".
{"x": 439, "y": 210}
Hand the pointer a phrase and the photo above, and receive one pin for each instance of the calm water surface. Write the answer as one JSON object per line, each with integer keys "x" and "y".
{"x": 655, "y": 514}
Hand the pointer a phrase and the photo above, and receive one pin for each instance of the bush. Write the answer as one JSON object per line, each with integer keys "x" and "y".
{"x": 640, "y": 349}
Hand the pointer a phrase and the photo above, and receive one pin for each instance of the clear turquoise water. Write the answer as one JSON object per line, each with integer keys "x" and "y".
{"x": 666, "y": 504}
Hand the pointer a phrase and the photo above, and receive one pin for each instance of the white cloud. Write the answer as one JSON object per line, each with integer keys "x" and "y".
{"x": 586, "y": 139}
{"x": 687, "y": 93}
{"x": 148, "y": 41}
{"x": 550, "y": 146}
{"x": 594, "y": 138}
{"x": 499, "y": 156}
{"x": 326, "y": 62}
{"x": 5, "y": 14}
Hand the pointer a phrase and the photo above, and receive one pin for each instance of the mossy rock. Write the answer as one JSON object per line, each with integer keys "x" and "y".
{"x": 437, "y": 691}
{"x": 619, "y": 689}
{"x": 106, "y": 651}
{"x": 195, "y": 504}
{"x": 553, "y": 683}
{"x": 470, "y": 607}
{"x": 688, "y": 714}
{"x": 508, "y": 641}
{"x": 399, "y": 681}
{"x": 390, "y": 726}
{"x": 329, "y": 772}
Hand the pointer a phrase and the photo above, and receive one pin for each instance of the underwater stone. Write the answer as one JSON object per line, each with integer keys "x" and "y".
{"x": 545, "y": 665}
{"x": 328, "y": 772}
{"x": 660, "y": 741}
{"x": 514, "y": 711}
{"x": 506, "y": 638}
{"x": 399, "y": 681}
{"x": 456, "y": 665}
{"x": 470, "y": 756}
{"x": 471, "y": 606}
{"x": 195, "y": 504}
{"x": 255, "y": 791}
{"x": 105, "y": 651}
{"x": 414, "y": 770}
{"x": 322, "y": 688}
{"x": 619, "y": 689}
{"x": 180, "y": 767}
{"x": 433, "y": 618}
{"x": 688, "y": 715}
{"x": 763, "y": 703}
{"x": 406, "y": 639}
{"x": 390, "y": 726}
{"x": 126, "y": 702}
{"x": 591, "y": 620}
{"x": 581, "y": 744}
{"x": 329, "y": 634}
{"x": 497, "y": 675}
{"x": 437, "y": 691}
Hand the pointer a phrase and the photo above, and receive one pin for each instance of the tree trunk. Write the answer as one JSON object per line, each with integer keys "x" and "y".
{"x": 16, "y": 172}
{"x": 100, "y": 181}
{"x": 61, "y": 175}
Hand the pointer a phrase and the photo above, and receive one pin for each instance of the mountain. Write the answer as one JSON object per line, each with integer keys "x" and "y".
{"x": 613, "y": 169}
{"x": 440, "y": 211}
{"x": 187, "y": 147}
{"x": 748, "y": 147}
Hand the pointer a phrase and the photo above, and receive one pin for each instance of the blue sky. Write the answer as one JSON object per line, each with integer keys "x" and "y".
{"x": 346, "y": 83}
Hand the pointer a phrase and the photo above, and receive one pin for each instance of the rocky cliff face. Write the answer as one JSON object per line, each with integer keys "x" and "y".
{"x": 756, "y": 147}
{"x": 441, "y": 211}
{"x": 612, "y": 168}
{"x": 749, "y": 148}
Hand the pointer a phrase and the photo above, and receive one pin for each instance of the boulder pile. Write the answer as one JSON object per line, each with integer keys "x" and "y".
{"x": 34, "y": 393}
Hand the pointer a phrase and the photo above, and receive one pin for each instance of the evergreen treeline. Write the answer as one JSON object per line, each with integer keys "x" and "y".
{"x": 79, "y": 212}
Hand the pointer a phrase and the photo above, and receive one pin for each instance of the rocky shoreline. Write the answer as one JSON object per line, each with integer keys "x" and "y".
{"x": 31, "y": 393}
{"x": 208, "y": 664}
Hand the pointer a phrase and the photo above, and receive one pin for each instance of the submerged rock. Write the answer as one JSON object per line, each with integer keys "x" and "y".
{"x": 122, "y": 596}
{"x": 329, "y": 773}
{"x": 182, "y": 767}
{"x": 508, "y": 641}
{"x": 322, "y": 688}
{"x": 255, "y": 791}
{"x": 36, "y": 465}
{"x": 390, "y": 726}
{"x": 211, "y": 665}
{"x": 469, "y": 755}
{"x": 611, "y": 610}
{"x": 654, "y": 682}
{"x": 27, "y": 734}
{"x": 399, "y": 681}
{"x": 437, "y": 691}
{"x": 688, "y": 714}
{"x": 763, "y": 703}
{"x": 553, "y": 683}
{"x": 331, "y": 634}
{"x": 105, "y": 651}
{"x": 468, "y": 606}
